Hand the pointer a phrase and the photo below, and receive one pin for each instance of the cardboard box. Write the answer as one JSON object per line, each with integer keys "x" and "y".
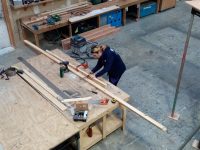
{"x": 81, "y": 107}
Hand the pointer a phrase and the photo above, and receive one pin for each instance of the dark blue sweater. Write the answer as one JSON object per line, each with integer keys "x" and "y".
{"x": 111, "y": 63}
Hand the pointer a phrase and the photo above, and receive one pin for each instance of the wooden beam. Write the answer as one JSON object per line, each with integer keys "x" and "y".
{"x": 40, "y": 89}
{"x": 127, "y": 105}
{"x": 74, "y": 70}
{"x": 8, "y": 22}
{"x": 103, "y": 84}
{"x": 130, "y": 107}
{"x": 107, "y": 92}
{"x": 76, "y": 99}
{"x": 41, "y": 51}
{"x": 42, "y": 84}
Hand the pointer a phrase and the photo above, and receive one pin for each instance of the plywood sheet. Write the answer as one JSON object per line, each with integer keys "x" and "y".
{"x": 74, "y": 84}
{"x": 28, "y": 121}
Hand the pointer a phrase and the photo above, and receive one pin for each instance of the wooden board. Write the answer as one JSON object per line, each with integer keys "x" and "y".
{"x": 111, "y": 94}
{"x": 82, "y": 73}
{"x": 92, "y": 35}
{"x": 195, "y": 4}
{"x": 28, "y": 121}
{"x": 43, "y": 89}
{"x": 8, "y": 22}
{"x": 93, "y": 13}
{"x": 74, "y": 84}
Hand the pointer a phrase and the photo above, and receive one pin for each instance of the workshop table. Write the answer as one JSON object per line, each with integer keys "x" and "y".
{"x": 30, "y": 121}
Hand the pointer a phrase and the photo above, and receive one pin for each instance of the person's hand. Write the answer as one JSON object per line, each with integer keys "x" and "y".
{"x": 90, "y": 75}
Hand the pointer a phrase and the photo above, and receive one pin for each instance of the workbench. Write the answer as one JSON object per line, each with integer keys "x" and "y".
{"x": 28, "y": 121}
{"x": 94, "y": 12}
{"x": 31, "y": 122}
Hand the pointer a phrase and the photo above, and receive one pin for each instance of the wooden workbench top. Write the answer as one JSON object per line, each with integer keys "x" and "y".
{"x": 28, "y": 121}
{"x": 74, "y": 84}
{"x": 195, "y": 4}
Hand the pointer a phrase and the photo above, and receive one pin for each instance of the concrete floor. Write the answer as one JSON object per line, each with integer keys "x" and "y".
{"x": 151, "y": 49}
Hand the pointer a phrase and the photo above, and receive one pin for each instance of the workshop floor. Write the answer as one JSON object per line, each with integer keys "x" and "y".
{"x": 151, "y": 49}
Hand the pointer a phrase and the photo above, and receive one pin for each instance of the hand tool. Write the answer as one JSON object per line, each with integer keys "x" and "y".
{"x": 104, "y": 101}
{"x": 113, "y": 100}
{"x": 9, "y": 72}
{"x": 80, "y": 116}
{"x": 84, "y": 65}
{"x": 64, "y": 68}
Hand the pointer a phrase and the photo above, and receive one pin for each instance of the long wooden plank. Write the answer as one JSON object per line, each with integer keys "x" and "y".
{"x": 146, "y": 117}
{"x": 92, "y": 14}
{"x": 42, "y": 84}
{"x": 76, "y": 99}
{"x": 43, "y": 92}
{"x": 69, "y": 66}
{"x": 104, "y": 34}
{"x": 93, "y": 31}
{"x": 103, "y": 84}
{"x": 92, "y": 35}
{"x": 130, "y": 107}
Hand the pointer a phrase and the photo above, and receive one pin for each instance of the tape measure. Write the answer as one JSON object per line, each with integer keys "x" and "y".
{"x": 113, "y": 100}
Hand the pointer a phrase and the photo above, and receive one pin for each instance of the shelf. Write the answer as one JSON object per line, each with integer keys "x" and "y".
{"x": 112, "y": 123}
{"x": 87, "y": 142}
{"x": 30, "y": 5}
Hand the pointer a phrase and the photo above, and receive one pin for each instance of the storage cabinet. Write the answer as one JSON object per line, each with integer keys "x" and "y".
{"x": 166, "y": 4}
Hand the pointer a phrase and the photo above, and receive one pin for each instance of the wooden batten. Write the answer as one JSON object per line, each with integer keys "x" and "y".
{"x": 80, "y": 73}
{"x": 8, "y": 22}
{"x": 44, "y": 90}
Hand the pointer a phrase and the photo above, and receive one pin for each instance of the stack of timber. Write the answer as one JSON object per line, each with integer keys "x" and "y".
{"x": 92, "y": 35}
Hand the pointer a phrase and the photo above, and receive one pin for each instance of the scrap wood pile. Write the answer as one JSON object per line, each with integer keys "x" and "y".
{"x": 78, "y": 9}
{"x": 92, "y": 35}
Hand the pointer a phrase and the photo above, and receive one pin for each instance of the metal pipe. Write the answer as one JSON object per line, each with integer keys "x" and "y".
{"x": 182, "y": 64}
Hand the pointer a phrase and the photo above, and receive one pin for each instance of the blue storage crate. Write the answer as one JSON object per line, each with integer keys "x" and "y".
{"x": 147, "y": 9}
{"x": 113, "y": 18}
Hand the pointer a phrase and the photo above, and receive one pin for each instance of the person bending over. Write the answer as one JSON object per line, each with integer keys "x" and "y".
{"x": 110, "y": 61}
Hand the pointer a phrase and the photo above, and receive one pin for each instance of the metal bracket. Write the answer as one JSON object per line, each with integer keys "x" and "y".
{"x": 195, "y": 12}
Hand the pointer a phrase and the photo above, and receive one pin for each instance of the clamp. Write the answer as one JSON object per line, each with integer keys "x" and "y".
{"x": 84, "y": 65}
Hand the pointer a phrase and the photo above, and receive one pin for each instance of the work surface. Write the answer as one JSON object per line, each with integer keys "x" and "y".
{"x": 29, "y": 120}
